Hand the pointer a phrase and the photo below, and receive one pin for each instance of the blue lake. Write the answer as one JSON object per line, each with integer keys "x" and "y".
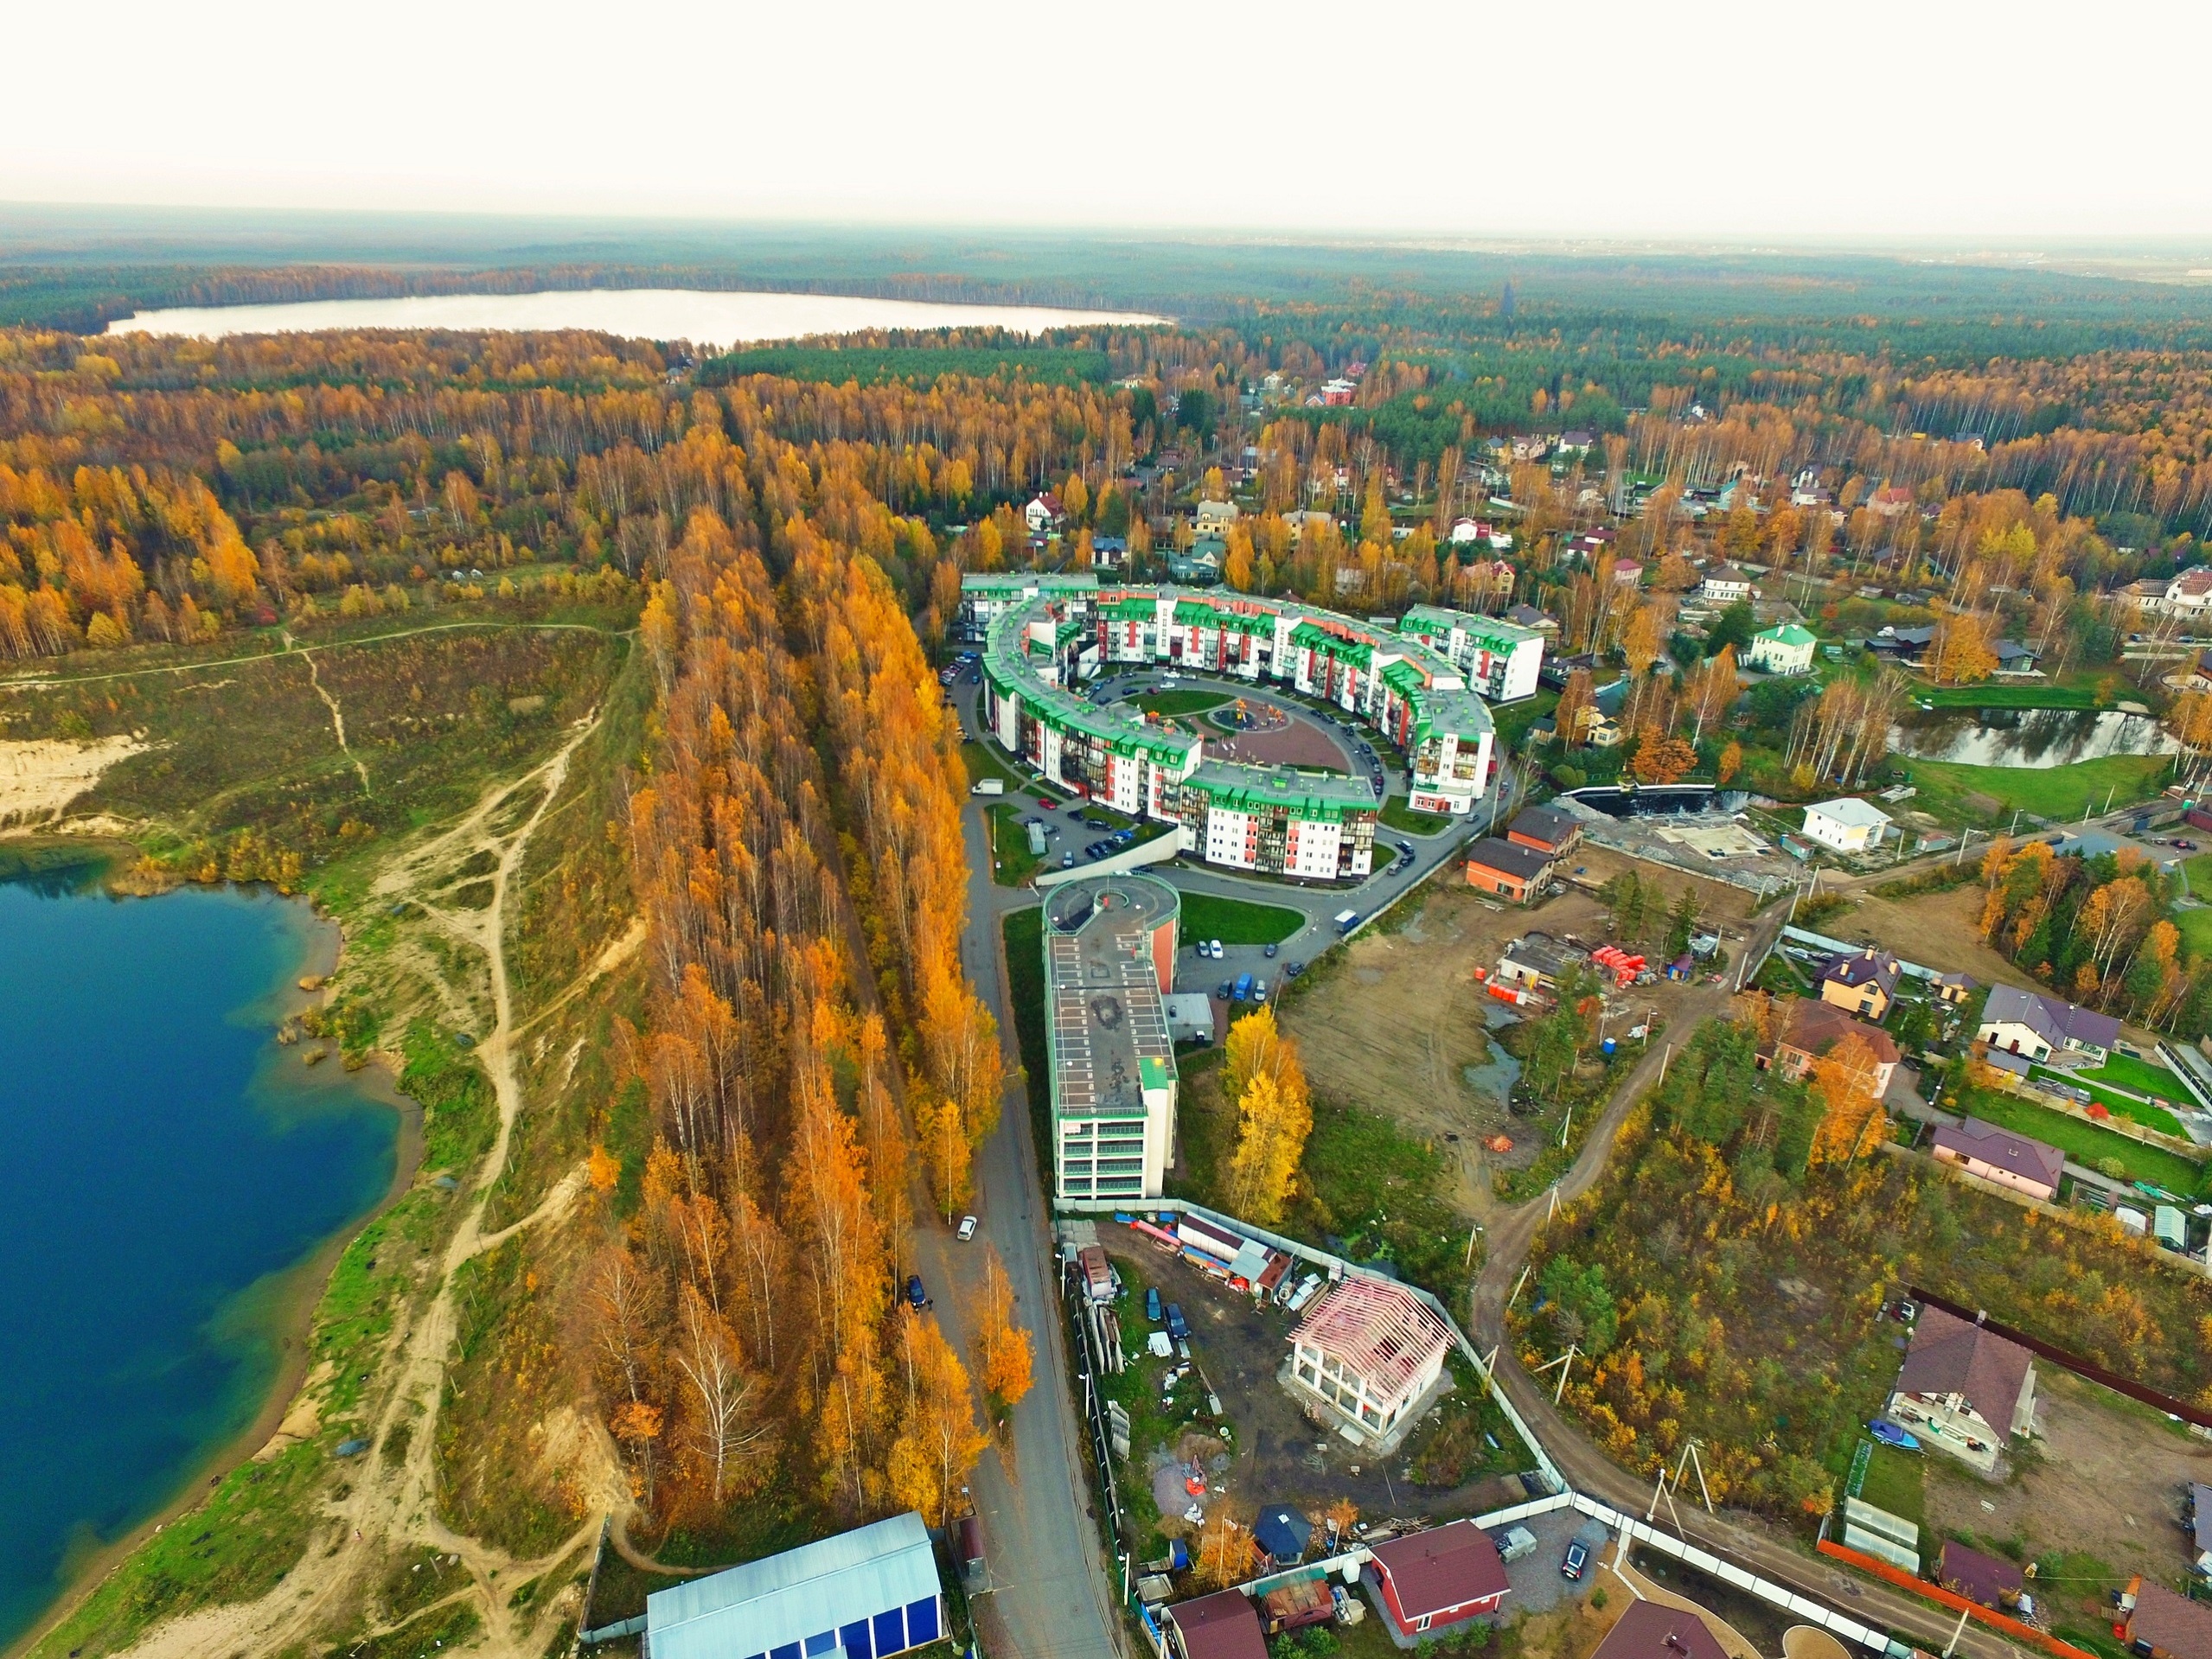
{"x": 165, "y": 1165}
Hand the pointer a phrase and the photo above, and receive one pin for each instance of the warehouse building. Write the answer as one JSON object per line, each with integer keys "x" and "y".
{"x": 1048, "y": 635}
{"x": 1109, "y": 961}
{"x": 865, "y": 1594}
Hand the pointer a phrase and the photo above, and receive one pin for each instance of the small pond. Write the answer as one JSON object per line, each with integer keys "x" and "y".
{"x": 2030, "y": 737}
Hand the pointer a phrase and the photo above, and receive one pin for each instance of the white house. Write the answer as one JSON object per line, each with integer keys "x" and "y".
{"x": 2188, "y": 595}
{"x": 1724, "y": 584}
{"x": 2025, "y": 1022}
{"x": 1965, "y": 1389}
{"x": 1848, "y": 825}
{"x": 1044, "y": 513}
{"x": 1369, "y": 1351}
{"x": 1784, "y": 650}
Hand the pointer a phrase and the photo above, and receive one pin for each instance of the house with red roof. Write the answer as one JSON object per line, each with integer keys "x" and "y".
{"x": 1224, "y": 1626}
{"x": 1431, "y": 1580}
{"x": 1369, "y": 1352}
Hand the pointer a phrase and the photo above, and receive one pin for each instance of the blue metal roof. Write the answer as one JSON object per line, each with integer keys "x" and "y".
{"x": 804, "y": 1593}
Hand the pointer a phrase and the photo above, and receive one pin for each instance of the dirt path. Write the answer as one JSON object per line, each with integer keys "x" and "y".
{"x": 337, "y": 716}
{"x": 392, "y": 1506}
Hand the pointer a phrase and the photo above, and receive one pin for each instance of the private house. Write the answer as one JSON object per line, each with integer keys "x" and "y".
{"x": 1784, "y": 650}
{"x": 1530, "y": 617}
{"x": 2200, "y": 1528}
{"x": 1994, "y": 1154}
{"x": 1848, "y": 825}
{"x": 1951, "y": 989}
{"x": 1044, "y": 514}
{"x": 1109, "y": 552}
{"x": 1986, "y": 1581}
{"x": 2014, "y": 658}
{"x": 1224, "y": 1626}
{"x": 2160, "y": 1625}
{"x": 1652, "y": 1630}
{"x": 1815, "y": 1028}
{"x": 1724, "y": 584}
{"x": 2024, "y": 1022}
{"x": 864, "y": 1594}
{"x": 1864, "y": 983}
{"x": 1432, "y": 1580}
{"x": 2187, "y": 595}
{"x": 1215, "y": 518}
{"x": 1548, "y": 829}
{"x": 1201, "y": 566}
{"x": 1369, "y": 1352}
{"x": 1965, "y": 1390}
{"x": 1512, "y": 870}
{"x": 1538, "y": 959}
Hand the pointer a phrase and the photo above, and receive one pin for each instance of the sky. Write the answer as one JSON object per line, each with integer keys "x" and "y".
{"x": 1956, "y": 121}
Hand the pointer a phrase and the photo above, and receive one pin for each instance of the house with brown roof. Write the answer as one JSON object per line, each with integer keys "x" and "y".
{"x": 1370, "y": 1351}
{"x": 1861, "y": 982}
{"x": 2015, "y": 1161}
{"x": 2160, "y": 1625}
{"x": 1224, "y": 1625}
{"x": 1652, "y": 1630}
{"x": 1548, "y": 829}
{"x": 1815, "y": 1029}
{"x": 1965, "y": 1389}
{"x": 1432, "y": 1580}
{"x": 1512, "y": 870}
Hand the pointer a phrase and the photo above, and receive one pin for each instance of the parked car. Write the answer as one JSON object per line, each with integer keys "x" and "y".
{"x": 967, "y": 1228}
{"x": 1269, "y": 951}
{"x": 1178, "y": 1326}
{"x": 915, "y": 1293}
{"x": 1067, "y": 861}
{"x": 1222, "y": 990}
{"x": 1152, "y": 1305}
{"x": 1216, "y": 947}
{"x": 1046, "y": 804}
{"x": 1292, "y": 970}
{"x": 1576, "y": 1559}
{"x": 1406, "y": 847}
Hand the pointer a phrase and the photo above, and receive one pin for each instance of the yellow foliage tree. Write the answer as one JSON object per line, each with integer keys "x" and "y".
{"x": 1002, "y": 1348}
{"x": 1275, "y": 1114}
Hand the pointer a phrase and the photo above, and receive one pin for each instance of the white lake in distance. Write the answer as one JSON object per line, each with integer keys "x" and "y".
{"x": 702, "y": 317}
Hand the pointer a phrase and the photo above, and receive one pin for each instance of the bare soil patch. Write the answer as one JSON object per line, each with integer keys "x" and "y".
{"x": 1395, "y": 1029}
{"x": 41, "y": 777}
{"x": 2106, "y": 1479}
{"x": 1939, "y": 930}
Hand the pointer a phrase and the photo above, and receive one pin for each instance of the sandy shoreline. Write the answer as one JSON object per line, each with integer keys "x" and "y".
{"x": 297, "y": 1291}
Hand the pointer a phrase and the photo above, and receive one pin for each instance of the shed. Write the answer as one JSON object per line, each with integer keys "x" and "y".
{"x": 1283, "y": 1533}
{"x": 1681, "y": 968}
{"x": 863, "y": 1594}
{"x": 1224, "y": 1626}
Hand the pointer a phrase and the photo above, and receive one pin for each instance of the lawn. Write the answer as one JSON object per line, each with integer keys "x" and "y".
{"x": 2151, "y": 1117}
{"x": 2140, "y": 1075}
{"x": 1024, "y": 934}
{"x": 2195, "y": 927}
{"x": 983, "y": 762}
{"x": 1896, "y": 1481}
{"x": 2035, "y": 695}
{"x": 2196, "y": 871}
{"x": 1514, "y": 719}
{"x": 1179, "y": 702}
{"x": 1398, "y": 814}
{"x": 2050, "y": 792}
{"x": 2086, "y": 1142}
{"x": 1012, "y": 861}
{"x": 1236, "y": 921}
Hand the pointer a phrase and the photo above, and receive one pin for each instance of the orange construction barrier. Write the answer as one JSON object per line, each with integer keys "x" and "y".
{"x": 1954, "y": 1600}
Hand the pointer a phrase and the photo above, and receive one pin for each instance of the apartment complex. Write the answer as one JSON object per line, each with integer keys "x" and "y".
{"x": 1044, "y": 641}
{"x": 1109, "y": 961}
{"x": 1500, "y": 660}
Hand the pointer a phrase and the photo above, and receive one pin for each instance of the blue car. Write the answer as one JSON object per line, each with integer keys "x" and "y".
{"x": 915, "y": 1293}
{"x": 1152, "y": 1305}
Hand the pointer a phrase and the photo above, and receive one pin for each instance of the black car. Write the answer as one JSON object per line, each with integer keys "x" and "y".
{"x": 1292, "y": 970}
{"x": 1269, "y": 951}
{"x": 1224, "y": 990}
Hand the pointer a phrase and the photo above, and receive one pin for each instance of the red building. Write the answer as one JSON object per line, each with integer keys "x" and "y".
{"x": 1437, "y": 1578}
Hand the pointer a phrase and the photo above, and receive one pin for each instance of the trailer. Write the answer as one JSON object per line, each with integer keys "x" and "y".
{"x": 1292, "y": 1606}
{"x": 1098, "y": 1272}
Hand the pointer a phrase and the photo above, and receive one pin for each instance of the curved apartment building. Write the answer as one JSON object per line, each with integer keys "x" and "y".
{"x": 1044, "y": 636}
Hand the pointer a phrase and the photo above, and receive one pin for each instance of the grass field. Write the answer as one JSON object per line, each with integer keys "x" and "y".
{"x": 2051, "y": 792}
{"x": 2140, "y": 1075}
{"x": 2034, "y": 695}
{"x": 1895, "y": 1482}
{"x": 983, "y": 762}
{"x": 2085, "y": 1143}
{"x": 1514, "y": 720}
{"x": 2121, "y": 1105}
{"x": 1023, "y": 932}
{"x": 1399, "y": 815}
{"x": 1179, "y": 702}
{"x": 1236, "y": 921}
{"x": 2195, "y": 927}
